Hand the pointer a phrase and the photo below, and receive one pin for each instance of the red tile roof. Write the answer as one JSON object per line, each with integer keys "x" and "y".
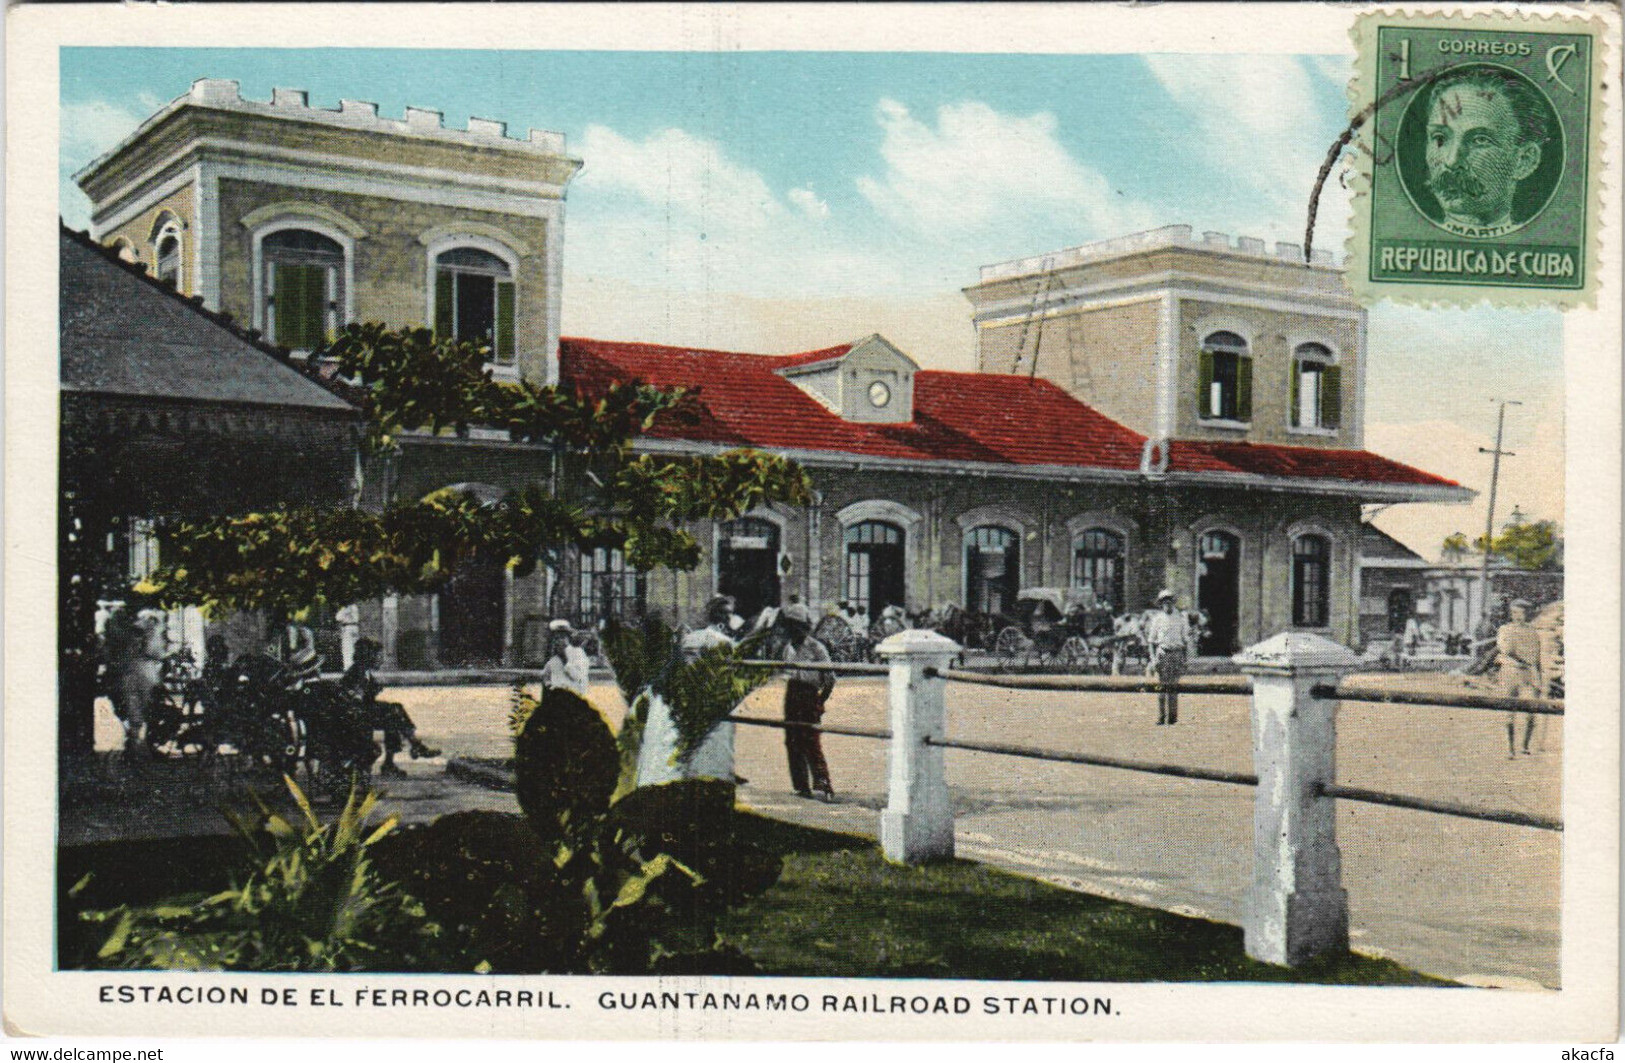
{"x": 1317, "y": 463}
{"x": 958, "y": 417}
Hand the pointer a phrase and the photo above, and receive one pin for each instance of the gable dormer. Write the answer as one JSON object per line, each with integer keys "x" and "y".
{"x": 869, "y": 382}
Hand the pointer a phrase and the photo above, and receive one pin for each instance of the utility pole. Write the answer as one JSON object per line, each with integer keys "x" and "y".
{"x": 1489, "y": 517}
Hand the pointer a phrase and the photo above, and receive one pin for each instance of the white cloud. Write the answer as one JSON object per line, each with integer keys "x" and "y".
{"x": 91, "y": 127}
{"x": 1260, "y": 130}
{"x": 807, "y": 201}
{"x": 688, "y": 176}
{"x": 976, "y": 169}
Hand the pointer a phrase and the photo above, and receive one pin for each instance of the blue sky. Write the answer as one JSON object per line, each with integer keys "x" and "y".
{"x": 784, "y": 201}
{"x": 849, "y": 149}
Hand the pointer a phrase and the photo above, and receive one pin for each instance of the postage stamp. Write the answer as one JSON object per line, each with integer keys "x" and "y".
{"x": 1481, "y": 157}
{"x": 811, "y": 522}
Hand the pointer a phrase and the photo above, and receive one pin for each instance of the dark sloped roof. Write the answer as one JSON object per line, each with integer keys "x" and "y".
{"x": 123, "y": 333}
{"x": 958, "y": 417}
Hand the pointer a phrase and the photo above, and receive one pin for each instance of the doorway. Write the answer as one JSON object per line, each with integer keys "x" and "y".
{"x": 874, "y": 566}
{"x": 1401, "y": 607}
{"x": 471, "y": 614}
{"x": 1218, "y": 592}
{"x": 748, "y": 564}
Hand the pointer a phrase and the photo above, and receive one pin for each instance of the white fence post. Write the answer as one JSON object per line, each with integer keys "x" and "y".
{"x": 1297, "y": 906}
{"x": 918, "y": 824}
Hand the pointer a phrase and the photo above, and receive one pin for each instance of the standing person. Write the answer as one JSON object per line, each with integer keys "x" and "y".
{"x": 567, "y": 666}
{"x": 804, "y": 696}
{"x": 1168, "y": 636}
{"x": 362, "y": 688}
{"x": 1517, "y": 646}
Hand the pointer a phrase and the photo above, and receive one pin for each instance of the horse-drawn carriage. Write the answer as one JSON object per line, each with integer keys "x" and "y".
{"x": 254, "y": 715}
{"x": 851, "y": 639}
{"x": 1048, "y": 629}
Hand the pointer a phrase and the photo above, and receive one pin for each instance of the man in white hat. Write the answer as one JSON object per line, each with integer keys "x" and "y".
{"x": 567, "y": 666}
{"x": 805, "y": 692}
{"x": 1168, "y": 637}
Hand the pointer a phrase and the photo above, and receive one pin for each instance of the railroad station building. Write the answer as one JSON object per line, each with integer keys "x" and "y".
{"x": 1157, "y": 410}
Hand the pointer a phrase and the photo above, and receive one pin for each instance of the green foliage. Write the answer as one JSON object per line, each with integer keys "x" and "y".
{"x": 703, "y": 688}
{"x": 289, "y": 560}
{"x": 485, "y": 877}
{"x": 580, "y": 884}
{"x": 637, "y": 655}
{"x": 565, "y": 767}
{"x": 700, "y": 688}
{"x": 310, "y": 900}
{"x": 416, "y": 380}
{"x": 1536, "y": 546}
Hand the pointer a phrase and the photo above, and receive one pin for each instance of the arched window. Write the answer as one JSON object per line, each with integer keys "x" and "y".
{"x": 1317, "y": 399}
{"x": 1225, "y": 378}
{"x": 875, "y": 558}
{"x": 609, "y": 586}
{"x": 303, "y": 273}
{"x": 992, "y": 569}
{"x": 474, "y": 300}
{"x": 1311, "y": 581}
{"x": 1097, "y": 563}
{"x": 167, "y": 255}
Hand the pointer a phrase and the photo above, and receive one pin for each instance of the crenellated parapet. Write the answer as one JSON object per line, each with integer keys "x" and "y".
{"x": 1166, "y": 237}
{"x": 225, "y": 94}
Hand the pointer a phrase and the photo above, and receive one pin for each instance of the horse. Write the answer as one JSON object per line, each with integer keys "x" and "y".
{"x": 134, "y": 650}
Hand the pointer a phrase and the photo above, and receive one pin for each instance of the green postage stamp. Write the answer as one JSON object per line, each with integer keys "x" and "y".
{"x": 1480, "y": 155}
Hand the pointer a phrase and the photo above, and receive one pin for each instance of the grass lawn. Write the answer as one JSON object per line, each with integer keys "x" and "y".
{"x": 841, "y": 910}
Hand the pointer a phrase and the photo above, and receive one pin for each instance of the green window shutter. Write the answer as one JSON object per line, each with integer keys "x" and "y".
{"x": 301, "y": 309}
{"x": 1244, "y": 388}
{"x": 1331, "y": 397}
{"x": 1297, "y": 389}
{"x": 1204, "y": 385}
{"x": 445, "y": 296}
{"x": 504, "y": 351}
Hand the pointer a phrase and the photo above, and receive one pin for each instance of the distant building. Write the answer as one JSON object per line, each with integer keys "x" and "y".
{"x": 1393, "y": 583}
{"x": 1149, "y": 411}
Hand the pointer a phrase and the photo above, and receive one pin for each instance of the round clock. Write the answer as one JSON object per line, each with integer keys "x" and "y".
{"x": 879, "y": 393}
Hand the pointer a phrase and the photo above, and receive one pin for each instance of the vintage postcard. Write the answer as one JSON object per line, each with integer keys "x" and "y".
{"x": 972, "y": 523}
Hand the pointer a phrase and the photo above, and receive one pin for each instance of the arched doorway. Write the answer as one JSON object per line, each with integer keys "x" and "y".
{"x": 875, "y": 566}
{"x": 748, "y": 564}
{"x": 992, "y": 569}
{"x": 471, "y": 609}
{"x": 1218, "y": 591}
{"x": 471, "y": 614}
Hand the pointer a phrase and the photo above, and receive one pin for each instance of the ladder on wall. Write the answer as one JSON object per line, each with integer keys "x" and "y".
{"x": 1034, "y": 323}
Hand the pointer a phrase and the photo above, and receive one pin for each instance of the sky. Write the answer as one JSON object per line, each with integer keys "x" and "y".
{"x": 777, "y": 201}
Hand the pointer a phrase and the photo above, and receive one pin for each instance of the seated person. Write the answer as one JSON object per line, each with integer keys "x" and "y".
{"x": 390, "y": 717}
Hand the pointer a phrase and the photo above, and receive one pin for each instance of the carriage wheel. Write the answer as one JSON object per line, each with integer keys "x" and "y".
{"x": 173, "y": 725}
{"x": 1077, "y": 655}
{"x": 1010, "y": 644}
